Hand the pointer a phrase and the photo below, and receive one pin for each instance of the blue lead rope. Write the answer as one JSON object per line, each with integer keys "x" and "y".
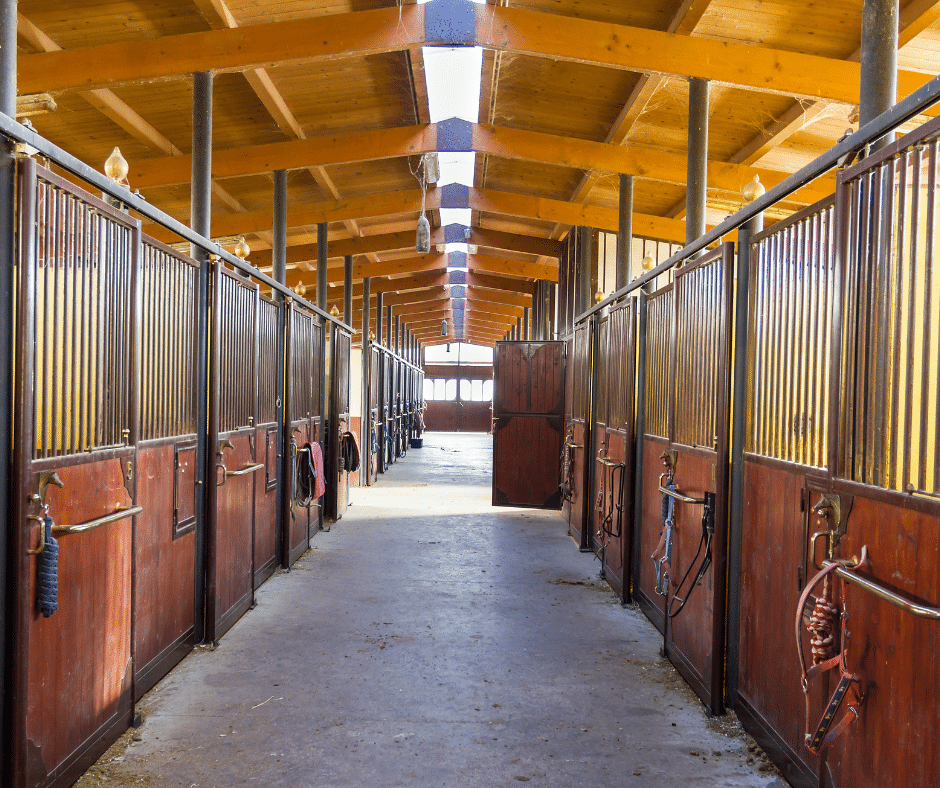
{"x": 47, "y": 569}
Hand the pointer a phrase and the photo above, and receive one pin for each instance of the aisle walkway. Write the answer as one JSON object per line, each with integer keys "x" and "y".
{"x": 431, "y": 640}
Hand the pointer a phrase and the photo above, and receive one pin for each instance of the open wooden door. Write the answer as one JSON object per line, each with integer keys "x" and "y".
{"x": 528, "y": 420}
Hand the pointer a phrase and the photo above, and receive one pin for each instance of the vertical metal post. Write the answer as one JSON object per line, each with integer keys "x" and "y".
{"x": 525, "y": 323}
{"x": 389, "y": 342}
{"x": 279, "y": 273}
{"x": 378, "y": 317}
{"x": 585, "y": 264}
{"x": 738, "y": 425}
{"x": 519, "y": 328}
{"x": 365, "y": 422}
{"x": 551, "y": 316}
{"x": 200, "y": 217}
{"x": 347, "y": 290}
{"x": 8, "y": 591}
{"x": 697, "y": 165}
{"x": 322, "y": 252}
{"x": 639, "y": 427}
{"x": 398, "y": 342}
{"x": 879, "y": 59}
{"x": 625, "y": 232}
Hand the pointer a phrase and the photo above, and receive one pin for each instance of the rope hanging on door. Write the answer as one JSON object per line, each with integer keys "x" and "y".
{"x": 47, "y": 572}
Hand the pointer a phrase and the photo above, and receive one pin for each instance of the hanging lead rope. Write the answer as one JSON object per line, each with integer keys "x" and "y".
{"x": 47, "y": 572}
{"x": 662, "y": 555}
{"x": 847, "y": 689}
{"x": 705, "y": 541}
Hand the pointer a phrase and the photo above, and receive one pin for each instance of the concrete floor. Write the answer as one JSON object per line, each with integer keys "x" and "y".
{"x": 430, "y": 639}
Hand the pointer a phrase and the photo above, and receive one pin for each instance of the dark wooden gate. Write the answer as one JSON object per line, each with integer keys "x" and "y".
{"x": 842, "y": 444}
{"x": 528, "y": 419}
{"x": 76, "y": 454}
{"x": 164, "y": 540}
{"x": 688, "y": 397}
{"x": 230, "y": 535}
{"x": 578, "y": 438}
{"x": 337, "y": 488}
{"x": 304, "y": 365}
{"x": 612, "y": 514}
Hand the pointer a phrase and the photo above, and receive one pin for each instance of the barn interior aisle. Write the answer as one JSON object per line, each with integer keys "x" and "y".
{"x": 430, "y": 639}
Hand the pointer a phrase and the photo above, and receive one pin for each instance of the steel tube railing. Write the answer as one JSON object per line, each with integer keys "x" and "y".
{"x": 903, "y": 111}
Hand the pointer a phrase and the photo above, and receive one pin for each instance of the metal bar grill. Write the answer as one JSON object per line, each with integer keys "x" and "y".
{"x": 789, "y": 352}
{"x": 267, "y": 361}
{"x": 168, "y": 342}
{"x": 891, "y": 329}
{"x": 301, "y": 365}
{"x": 700, "y": 291}
{"x": 237, "y": 305}
{"x": 83, "y": 303}
{"x": 659, "y": 329}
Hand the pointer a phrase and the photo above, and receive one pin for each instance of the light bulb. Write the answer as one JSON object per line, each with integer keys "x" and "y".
{"x": 753, "y": 190}
{"x": 242, "y": 249}
{"x": 116, "y": 166}
{"x": 648, "y": 263}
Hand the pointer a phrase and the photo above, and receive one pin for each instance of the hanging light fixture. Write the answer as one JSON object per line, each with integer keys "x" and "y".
{"x": 443, "y": 328}
{"x": 334, "y": 311}
{"x": 648, "y": 263}
{"x": 423, "y": 232}
{"x": 753, "y": 190}
{"x": 116, "y": 167}
{"x": 301, "y": 289}
{"x": 242, "y": 249}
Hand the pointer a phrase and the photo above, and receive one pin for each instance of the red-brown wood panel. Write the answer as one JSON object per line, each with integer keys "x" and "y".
{"x": 265, "y": 537}
{"x": 442, "y": 416}
{"x": 516, "y": 481}
{"x": 164, "y": 567}
{"x": 234, "y": 524}
{"x": 894, "y": 653}
{"x": 617, "y": 487}
{"x": 651, "y": 603}
{"x": 579, "y": 509}
{"x": 301, "y": 518}
{"x": 79, "y": 674}
{"x": 689, "y": 643}
{"x": 528, "y": 420}
{"x": 770, "y": 700}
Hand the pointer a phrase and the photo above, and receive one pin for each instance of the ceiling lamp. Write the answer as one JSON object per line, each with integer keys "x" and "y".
{"x": 648, "y": 263}
{"x": 334, "y": 311}
{"x": 423, "y": 235}
{"x": 116, "y": 167}
{"x": 598, "y": 296}
{"x": 242, "y": 249}
{"x": 432, "y": 168}
{"x": 301, "y": 289}
{"x": 443, "y": 328}
{"x": 753, "y": 190}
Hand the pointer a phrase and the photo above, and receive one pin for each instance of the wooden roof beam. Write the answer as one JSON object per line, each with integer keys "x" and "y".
{"x": 496, "y": 265}
{"x": 514, "y": 30}
{"x": 480, "y": 294}
{"x": 478, "y": 279}
{"x": 303, "y": 214}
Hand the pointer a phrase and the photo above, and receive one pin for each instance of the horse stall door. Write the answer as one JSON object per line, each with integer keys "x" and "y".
{"x": 370, "y": 453}
{"x": 265, "y": 556}
{"x": 599, "y": 480}
{"x": 337, "y": 485}
{"x": 302, "y": 403}
{"x": 648, "y": 587}
{"x": 233, "y": 451}
{"x": 164, "y": 544}
{"x": 76, "y": 433}
{"x": 528, "y": 418}
{"x": 615, "y": 460}
{"x": 790, "y": 306}
{"x": 698, "y": 468}
{"x": 578, "y": 440}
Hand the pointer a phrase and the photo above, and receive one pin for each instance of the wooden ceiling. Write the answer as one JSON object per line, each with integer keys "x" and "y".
{"x": 573, "y": 92}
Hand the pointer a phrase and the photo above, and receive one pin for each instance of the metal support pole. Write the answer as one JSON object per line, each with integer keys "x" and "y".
{"x": 639, "y": 434}
{"x": 347, "y": 289}
{"x": 738, "y": 426}
{"x": 536, "y": 309}
{"x": 551, "y": 317}
{"x": 519, "y": 328}
{"x": 585, "y": 264}
{"x": 200, "y": 217}
{"x": 525, "y": 323}
{"x": 322, "y": 244}
{"x": 398, "y": 337}
{"x": 378, "y": 316}
{"x": 279, "y": 273}
{"x": 8, "y": 591}
{"x": 365, "y": 421}
{"x": 389, "y": 342}
{"x": 697, "y": 167}
{"x": 879, "y": 58}
{"x": 625, "y": 232}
